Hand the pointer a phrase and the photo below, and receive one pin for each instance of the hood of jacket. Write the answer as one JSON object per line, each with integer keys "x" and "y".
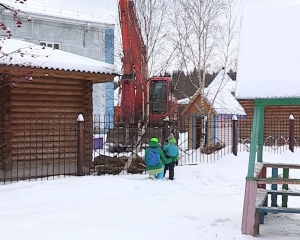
{"x": 153, "y": 144}
{"x": 172, "y": 140}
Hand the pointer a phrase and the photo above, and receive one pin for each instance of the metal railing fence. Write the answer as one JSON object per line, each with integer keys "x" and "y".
{"x": 44, "y": 146}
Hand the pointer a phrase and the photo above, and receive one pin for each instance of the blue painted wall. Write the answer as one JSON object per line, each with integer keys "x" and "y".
{"x": 109, "y": 88}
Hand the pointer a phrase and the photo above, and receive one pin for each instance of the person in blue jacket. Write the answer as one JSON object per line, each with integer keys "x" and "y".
{"x": 171, "y": 151}
{"x": 156, "y": 169}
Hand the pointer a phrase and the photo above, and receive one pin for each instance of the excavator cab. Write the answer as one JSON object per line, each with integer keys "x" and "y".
{"x": 162, "y": 103}
{"x": 158, "y": 97}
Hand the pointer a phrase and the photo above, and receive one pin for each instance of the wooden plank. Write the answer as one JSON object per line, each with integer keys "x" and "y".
{"x": 20, "y": 118}
{"x": 34, "y": 98}
{"x": 279, "y": 102}
{"x": 277, "y": 181}
{"x": 41, "y": 139}
{"x": 34, "y": 126}
{"x": 44, "y": 85}
{"x": 278, "y": 209}
{"x": 281, "y": 192}
{"x": 52, "y": 92}
{"x": 48, "y": 109}
{"x": 48, "y": 150}
{"x": 44, "y": 157}
{"x": 261, "y": 196}
{"x": 256, "y": 224}
{"x": 32, "y": 104}
{"x": 50, "y": 80}
{"x": 46, "y": 132}
{"x": 258, "y": 168}
{"x": 282, "y": 165}
{"x": 248, "y": 219}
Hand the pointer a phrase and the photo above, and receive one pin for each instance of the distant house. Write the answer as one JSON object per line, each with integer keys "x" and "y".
{"x": 79, "y": 33}
{"x": 38, "y": 111}
{"x": 219, "y": 104}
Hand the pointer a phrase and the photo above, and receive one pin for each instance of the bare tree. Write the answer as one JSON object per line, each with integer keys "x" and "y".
{"x": 205, "y": 33}
{"x": 154, "y": 23}
{"x": 5, "y": 78}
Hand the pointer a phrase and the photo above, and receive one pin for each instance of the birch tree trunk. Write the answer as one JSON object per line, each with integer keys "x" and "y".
{"x": 204, "y": 36}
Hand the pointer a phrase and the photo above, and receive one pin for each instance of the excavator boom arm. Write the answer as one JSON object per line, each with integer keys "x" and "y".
{"x": 134, "y": 81}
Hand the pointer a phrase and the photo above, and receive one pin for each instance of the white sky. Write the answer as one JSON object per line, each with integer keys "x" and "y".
{"x": 268, "y": 60}
{"x": 108, "y": 9}
{"x": 204, "y": 202}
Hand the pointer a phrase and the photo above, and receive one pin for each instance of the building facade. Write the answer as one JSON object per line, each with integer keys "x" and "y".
{"x": 81, "y": 34}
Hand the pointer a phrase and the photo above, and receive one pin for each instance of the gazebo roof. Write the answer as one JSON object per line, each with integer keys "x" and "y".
{"x": 269, "y": 59}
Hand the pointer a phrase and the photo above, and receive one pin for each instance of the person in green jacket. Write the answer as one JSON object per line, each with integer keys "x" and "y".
{"x": 155, "y": 170}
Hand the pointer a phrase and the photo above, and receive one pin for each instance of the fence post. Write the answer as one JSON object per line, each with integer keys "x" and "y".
{"x": 291, "y": 133}
{"x": 234, "y": 135}
{"x": 166, "y": 129}
{"x": 80, "y": 144}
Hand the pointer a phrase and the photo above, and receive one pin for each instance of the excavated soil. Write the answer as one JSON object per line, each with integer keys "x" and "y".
{"x": 115, "y": 165}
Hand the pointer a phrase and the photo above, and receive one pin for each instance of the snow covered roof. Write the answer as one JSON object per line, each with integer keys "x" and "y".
{"x": 183, "y": 101}
{"x": 21, "y": 53}
{"x": 269, "y": 59}
{"x": 219, "y": 95}
{"x": 33, "y": 7}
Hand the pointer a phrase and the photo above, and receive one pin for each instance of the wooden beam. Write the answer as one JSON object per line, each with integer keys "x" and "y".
{"x": 282, "y": 165}
{"x": 279, "y": 102}
{"x": 18, "y": 72}
{"x": 278, "y": 209}
{"x": 277, "y": 181}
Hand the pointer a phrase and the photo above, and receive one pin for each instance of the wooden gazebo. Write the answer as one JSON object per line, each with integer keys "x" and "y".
{"x": 42, "y": 93}
{"x": 268, "y": 51}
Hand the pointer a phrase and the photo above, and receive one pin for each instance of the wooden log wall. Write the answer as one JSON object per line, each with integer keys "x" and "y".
{"x": 44, "y": 121}
{"x": 276, "y": 121}
{"x": 5, "y": 140}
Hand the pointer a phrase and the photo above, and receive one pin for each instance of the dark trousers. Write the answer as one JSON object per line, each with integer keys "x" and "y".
{"x": 170, "y": 167}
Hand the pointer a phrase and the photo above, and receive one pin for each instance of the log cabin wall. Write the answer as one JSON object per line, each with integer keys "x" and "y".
{"x": 276, "y": 121}
{"x": 182, "y": 124}
{"x": 5, "y": 139}
{"x": 44, "y": 115}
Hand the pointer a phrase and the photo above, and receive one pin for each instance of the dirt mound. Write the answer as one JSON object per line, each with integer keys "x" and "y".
{"x": 115, "y": 165}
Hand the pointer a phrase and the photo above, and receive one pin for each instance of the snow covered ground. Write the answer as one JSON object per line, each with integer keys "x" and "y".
{"x": 205, "y": 201}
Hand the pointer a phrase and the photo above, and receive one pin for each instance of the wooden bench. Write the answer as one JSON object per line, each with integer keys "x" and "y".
{"x": 262, "y": 208}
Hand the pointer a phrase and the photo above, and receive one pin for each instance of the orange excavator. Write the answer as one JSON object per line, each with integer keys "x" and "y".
{"x": 144, "y": 102}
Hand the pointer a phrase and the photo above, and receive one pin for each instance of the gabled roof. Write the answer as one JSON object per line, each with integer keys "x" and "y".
{"x": 24, "y": 54}
{"x": 269, "y": 59}
{"x": 219, "y": 96}
{"x": 192, "y": 101}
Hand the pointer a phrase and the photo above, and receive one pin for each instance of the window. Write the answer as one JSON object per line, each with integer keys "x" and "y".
{"x": 158, "y": 97}
{"x": 53, "y": 45}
